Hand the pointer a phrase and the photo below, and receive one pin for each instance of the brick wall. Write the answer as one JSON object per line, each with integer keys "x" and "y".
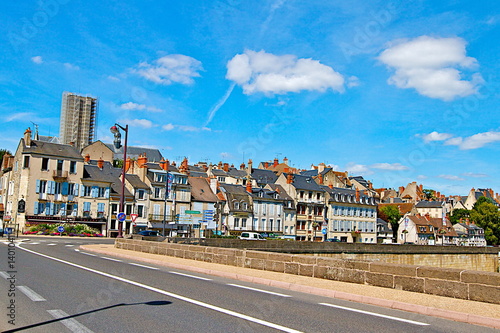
{"x": 449, "y": 282}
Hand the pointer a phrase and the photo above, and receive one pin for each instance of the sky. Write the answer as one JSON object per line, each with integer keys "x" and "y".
{"x": 395, "y": 92}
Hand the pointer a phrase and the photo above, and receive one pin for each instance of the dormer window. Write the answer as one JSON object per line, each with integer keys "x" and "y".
{"x": 236, "y": 205}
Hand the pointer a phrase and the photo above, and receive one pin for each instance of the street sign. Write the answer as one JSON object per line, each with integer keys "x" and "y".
{"x": 7, "y": 218}
{"x": 60, "y": 229}
{"x": 133, "y": 217}
{"x": 192, "y": 212}
{"x": 8, "y": 231}
{"x": 323, "y": 231}
{"x": 121, "y": 217}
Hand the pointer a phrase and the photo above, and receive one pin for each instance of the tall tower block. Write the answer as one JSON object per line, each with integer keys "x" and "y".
{"x": 78, "y": 120}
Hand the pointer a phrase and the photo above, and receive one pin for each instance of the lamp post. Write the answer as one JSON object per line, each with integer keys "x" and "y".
{"x": 114, "y": 129}
{"x": 165, "y": 202}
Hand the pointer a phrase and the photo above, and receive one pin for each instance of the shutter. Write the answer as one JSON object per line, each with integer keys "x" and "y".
{"x": 86, "y": 206}
{"x": 100, "y": 207}
{"x": 62, "y": 211}
{"x": 38, "y": 186}
{"x": 50, "y": 187}
{"x": 94, "y": 191}
{"x": 75, "y": 190}
{"x": 156, "y": 209}
{"x": 64, "y": 190}
{"x": 106, "y": 193}
{"x": 82, "y": 190}
{"x": 35, "y": 209}
{"x": 75, "y": 210}
{"x": 51, "y": 208}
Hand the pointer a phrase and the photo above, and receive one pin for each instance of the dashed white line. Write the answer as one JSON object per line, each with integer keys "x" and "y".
{"x": 68, "y": 245}
{"x": 132, "y": 263}
{"x": 51, "y": 244}
{"x": 34, "y": 243}
{"x": 191, "y": 276}
{"x": 88, "y": 254}
{"x": 376, "y": 314}
{"x": 71, "y": 324}
{"x": 259, "y": 290}
{"x": 112, "y": 259}
{"x": 77, "y": 250}
{"x": 169, "y": 294}
{"x": 31, "y": 294}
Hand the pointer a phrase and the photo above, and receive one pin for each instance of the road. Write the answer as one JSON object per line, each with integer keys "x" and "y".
{"x": 60, "y": 288}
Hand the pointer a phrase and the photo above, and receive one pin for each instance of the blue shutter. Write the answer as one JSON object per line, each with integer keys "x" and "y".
{"x": 94, "y": 191}
{"x": 64, "y": 190}
{"x": 75, "y": 190}
{"x": 100, "y": 207}
{"x": 51, "y": 186}
{"x": 75, "y": 210}
{"x": 62, "y": 211}
{"x": 38, "y": 186}
{"x": 82, "y": 190}
{"x": 35, "y": 209}
{"x": 106, "y": 193}
{"x": 86, "y": 206}
{"x": 51, "y": 208}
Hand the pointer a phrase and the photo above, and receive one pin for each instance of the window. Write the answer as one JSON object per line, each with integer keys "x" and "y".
{"x": 221, "y": 179}
{"x": 26, "y": 163}
{"x": 278, "y": 225}
{"x": 140, "y": 211}
{"x": 42, "y": 186}
{"x": 301, "y": 194}
{"x": 301, "y": 225}
{"x": 157, "y": 194}
{"x": 87, "y": 191}
{"x": 318, "y": 196}
{"x": 310, "y": 195}
{"x": 236, "y": 205}
{"x": 101, "y": 192}
{"x": 114, "y": 208}
{"x": 243, "y": 223}
{"x": 45, "y": 164}
{"x": 60, "y": 165}
{"x": 57, "y": 188}
{"x": 301, "y": 209}
{"x": 236, "y": 222}
{"x": 128, "y": 209}
{"x": 244, "y": 206}
{"x": 270, "y": 225}
{"x": 141, "y": 194}
{"x": 72, "y": 167}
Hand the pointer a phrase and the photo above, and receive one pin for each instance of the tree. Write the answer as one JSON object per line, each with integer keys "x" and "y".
{"x": 429, "y": 194}
{"x": 391, "y": 214}
{"x": 3, "y": 152}
{"x": 485, "y": 214}
{"x": 459, "y": 214}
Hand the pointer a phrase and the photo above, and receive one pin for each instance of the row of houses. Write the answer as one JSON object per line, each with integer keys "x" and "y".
{"x": 46, "y": 182}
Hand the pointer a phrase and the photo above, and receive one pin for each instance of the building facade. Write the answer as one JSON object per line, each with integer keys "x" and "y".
{"x": 78, "y": 121}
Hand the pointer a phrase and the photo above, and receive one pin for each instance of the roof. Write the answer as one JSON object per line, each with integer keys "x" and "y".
{"x": 200, "y": 190}
{"x": 152, "y": 154}
{"x": 363, "y": 182}
{"x": 107, "y": 174}
{"x": 52, "y": 149}
{"x": 305, "y": 183}
{"x": 263, "y": 176}
{"x": 136, "y": 182}
{"x": 429, "y": 204}
{"x": 314, "y": 172}
{"x": 233, "y": 172}
{"x": 218, "y": 172}
{"x": 198, "y": 174}
{"x": 280, "y": 190}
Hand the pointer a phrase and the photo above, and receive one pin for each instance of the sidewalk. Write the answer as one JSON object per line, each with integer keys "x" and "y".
{"x": 471, "y": 312}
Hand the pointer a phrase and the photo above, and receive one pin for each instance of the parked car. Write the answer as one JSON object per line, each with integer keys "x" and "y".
{"x": 333, "y": 240}
{"x": 151, "y": 233}
{"x": 251, "y": 236}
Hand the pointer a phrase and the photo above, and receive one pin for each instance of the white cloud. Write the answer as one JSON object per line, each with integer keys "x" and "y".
{"x": 474, "y": 175}
{"x": 388, "y": 166}
{"x": 140, "y": 107}
{"x": 113, "y": 78}
{"x": 272, "y": 74}
{"x": 19, "y": 115}
{"x": 475, "y": 141}
{"x": 144, "y": 123}
{"x": 450, "y": 177}
{"x": 353, "y": 168}
{"x": 429, "y": 65}
{"x": 185, "y": 128}
{"x": 226, "y": 156}
{"x": 71, "y": 67}
{"x": 168, "y": 127}
{"x": 435, "y": 136}
{"x": 172, "y": 68}
{"x": 421, "y": 177}
{"x": 37, "y": 60}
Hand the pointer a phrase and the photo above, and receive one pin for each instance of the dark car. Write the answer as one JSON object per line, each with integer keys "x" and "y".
{"x": 333, "y": 240}
{"x": 151, "y": 233}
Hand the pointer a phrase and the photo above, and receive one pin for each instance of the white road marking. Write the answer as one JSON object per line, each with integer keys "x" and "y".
{"x": 259, "y": 290}
{"x": 51, "y": 244}
{"x": 88, "y": 254}
{"x": 68, "y": 245}
{"x": 376, "y": 314}
{"x": 112, "y": 259}
{"x": 77, "y": 250}
{"x": 4, "y": 275}
{"x": 31, "y": 294}
{"x": 191, "y": 276}
{"x": 132, "y": 263}
{"x": 169, "y": 294}
{"x": 71, "y": 324}
{"x": 34, "y": 243}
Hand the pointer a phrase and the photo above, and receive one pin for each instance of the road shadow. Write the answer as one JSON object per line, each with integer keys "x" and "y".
{"x": 152, "y": 303}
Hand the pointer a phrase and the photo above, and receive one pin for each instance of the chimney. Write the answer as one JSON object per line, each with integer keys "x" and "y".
{"x": 128, "y": 164}
{"x": 438, "y": 195}
{"x": 174, "y": 163}
{"x": 421, "y": 187}
{"x": 427, "y": 217}
{"x": 249, "y": 185}
{"x": 5, "y": 161}
{"x": 330, "y": 186}
{"x": 205, "y": 167}
{"x": 286, "y": 169}
{"x": 491, "y": 193}
{"x": 27, "y": 137}
{"x": 184, "y": 166}
{"x": 401, "y": 190}
{"x": 370, "y": 185}
{"x": 100, "y": 163}
{"x": 289, "y": 178}
{"x": 321, "y": 167}
{"x": 320, "y": 178}
{"x": 242, "y": 166}
{"x": 226, "y": 167}
{"x": 357, "y": 195}
{"x": 214, "y": 185}
{"x": 266, "y": 165}
{"x": 285, "y": 161}
{"x": 87, "y": 158}
{"x": 249, "y": 167}
{"x": 276, "y": 162}
{"x": 142, "y": 160}
{"x": 219, "y": 166}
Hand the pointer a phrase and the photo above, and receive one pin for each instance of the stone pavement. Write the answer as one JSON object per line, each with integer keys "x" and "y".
{"x": 472, "y": 312}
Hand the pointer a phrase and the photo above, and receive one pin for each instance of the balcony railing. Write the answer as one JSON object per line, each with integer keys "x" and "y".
{"x": 60, "y": 174}
{"x": 159, "y": 217}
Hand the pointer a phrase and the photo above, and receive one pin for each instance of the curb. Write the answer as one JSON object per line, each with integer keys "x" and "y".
{"x": 408, "y": 307}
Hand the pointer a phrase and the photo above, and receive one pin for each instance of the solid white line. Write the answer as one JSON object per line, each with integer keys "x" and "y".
{"x": 132, "y": 263}
{"x": 77, "y": 250}
{"x": 71, "y": 324}
{"x": 112, "y": 259}
{"x": 4, "y": 275}
{"x": 31, "y": 294}
{"x": 88, "y": 254}
{"x": 169, "y": 294}
{"x": 376, "y": 314}
{"x": 191, "y": 276}
{"x": 259, "y": 290}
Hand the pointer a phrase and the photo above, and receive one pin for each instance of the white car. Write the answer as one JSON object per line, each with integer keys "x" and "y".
{"x": 251, "y": 236}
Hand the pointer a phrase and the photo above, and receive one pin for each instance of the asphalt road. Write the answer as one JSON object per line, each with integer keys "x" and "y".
{"x": 59, "y": 288}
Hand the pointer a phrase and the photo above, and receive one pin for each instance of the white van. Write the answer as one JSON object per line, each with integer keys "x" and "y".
{"x": 251, "y": 236}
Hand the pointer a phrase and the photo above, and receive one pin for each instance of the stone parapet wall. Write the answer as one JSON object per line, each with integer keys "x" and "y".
{"x": 449, "y": 282}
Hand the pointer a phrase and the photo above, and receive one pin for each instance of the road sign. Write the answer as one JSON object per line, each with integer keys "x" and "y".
{"x": 60, "y": 229}
{"x": 7, "y": 218}
{"x": 8, "y": 231}
{"x": 192, "y": 212}
{"x": 121, "y": 217}
{"x": 323, "y": 231}
{"x": 133, "y": 217}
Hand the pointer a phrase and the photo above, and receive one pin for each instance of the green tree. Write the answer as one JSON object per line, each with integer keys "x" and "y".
{"x": 429, "y": 194}
{"x": 391, "y": 214}
{"x": 459, "y": 214}
{"x": 485, "y": 214}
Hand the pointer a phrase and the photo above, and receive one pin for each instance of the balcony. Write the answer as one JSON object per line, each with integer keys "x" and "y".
{"x": 60, "y": 175}
{"x": 159, "y": 217}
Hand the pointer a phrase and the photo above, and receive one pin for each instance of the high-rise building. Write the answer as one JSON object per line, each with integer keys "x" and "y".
{"x": 78, "y": 120}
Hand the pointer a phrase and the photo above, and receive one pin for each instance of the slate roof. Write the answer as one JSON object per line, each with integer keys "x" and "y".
{"x": 233, "y": 172}
{"x": 198, "y": 174}
{"x": 201, "y": 191}
{"x": 280, "y": 190}
{"x": 314, "y": 172}
{"x": 429, "y": 204}
{"x": 383, "y": 226}
{"x": 153, "y": 155}
{"x": 136, "y": 182}
{"x": 108, "y": 174}
{"x": 305, "y": 183}
{"x": 361, "y": 181}
{"x": 52, "y": 149}
{"x": 263, "y": 176}
{"x": 218, "y": 172}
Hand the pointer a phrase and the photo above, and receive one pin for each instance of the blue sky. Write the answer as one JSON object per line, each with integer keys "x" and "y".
{"x": 395, "y": 91}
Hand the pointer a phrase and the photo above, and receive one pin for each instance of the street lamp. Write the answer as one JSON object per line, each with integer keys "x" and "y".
{"x": 115, "y": 130}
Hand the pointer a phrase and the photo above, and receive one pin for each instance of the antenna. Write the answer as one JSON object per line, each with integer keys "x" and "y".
{"x": 36, "y": 130}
